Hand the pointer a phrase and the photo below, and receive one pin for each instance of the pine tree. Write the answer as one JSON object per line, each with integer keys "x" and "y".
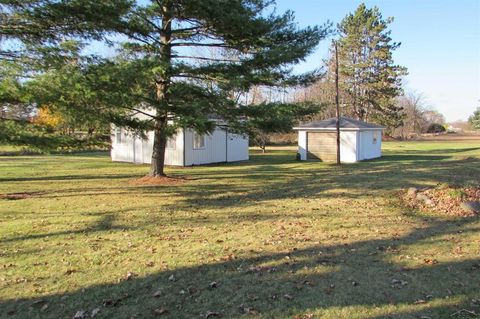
{"x": 367, "y": 71}
{"x": 31, "y": 30}
{"x": 167, "y": 70}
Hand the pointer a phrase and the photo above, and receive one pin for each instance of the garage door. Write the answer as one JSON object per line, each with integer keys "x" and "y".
{"x": 322, "y": 146}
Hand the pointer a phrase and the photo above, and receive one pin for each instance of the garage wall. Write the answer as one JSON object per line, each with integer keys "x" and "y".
{"x": 325, "y": 143}
{"x": 368, "y": 148}
{"x": 302, "y": 145}
{"x": 348, "y": 146}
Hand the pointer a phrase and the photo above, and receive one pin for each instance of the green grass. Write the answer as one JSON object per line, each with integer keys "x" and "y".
{"x": 283, "y": 239}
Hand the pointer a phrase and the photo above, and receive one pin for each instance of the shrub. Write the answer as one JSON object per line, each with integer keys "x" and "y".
{"x": 436, "y": 128}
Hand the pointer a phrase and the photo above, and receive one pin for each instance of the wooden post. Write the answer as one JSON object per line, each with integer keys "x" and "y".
{"x": 337, "y": 102}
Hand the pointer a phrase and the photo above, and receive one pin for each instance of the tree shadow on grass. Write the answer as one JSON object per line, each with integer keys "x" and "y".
{"x": 239, "y": 188}
{"x": 358, "y": 280}
{"x": 106, "y": 222}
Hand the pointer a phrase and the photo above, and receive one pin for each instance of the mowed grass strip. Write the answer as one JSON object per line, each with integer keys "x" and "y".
{"x": 271, "y": 238}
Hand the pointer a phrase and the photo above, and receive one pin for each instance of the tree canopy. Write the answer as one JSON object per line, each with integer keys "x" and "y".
{"x": 186, "y": 60}
{"x": 474, "y": 119}
{"x": 368, "y": 74}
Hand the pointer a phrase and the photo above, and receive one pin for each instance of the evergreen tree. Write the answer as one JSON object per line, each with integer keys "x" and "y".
{"x": 163, "y": 65}
{"x": 31, "y": 30}
{"x": 367, "y": 72}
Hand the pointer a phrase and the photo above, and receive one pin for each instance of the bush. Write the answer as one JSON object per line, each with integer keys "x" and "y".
{"x": 436, "y": 128}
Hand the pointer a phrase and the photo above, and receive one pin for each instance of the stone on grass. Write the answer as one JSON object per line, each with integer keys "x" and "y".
{"x": 425, "y": 199}
{"x": 471, "y": 206}
{"x": 412, "y": 191}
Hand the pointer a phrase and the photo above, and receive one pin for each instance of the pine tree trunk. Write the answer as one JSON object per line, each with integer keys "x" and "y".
{"x": 158, "y": 153}
{"x": 160, "y": 137}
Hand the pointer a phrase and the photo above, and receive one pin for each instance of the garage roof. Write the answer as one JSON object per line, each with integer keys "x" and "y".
{"x": 346, "y": 123}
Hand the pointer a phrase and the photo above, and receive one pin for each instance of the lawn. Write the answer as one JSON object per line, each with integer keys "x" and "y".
{"x": 269, "y": 238}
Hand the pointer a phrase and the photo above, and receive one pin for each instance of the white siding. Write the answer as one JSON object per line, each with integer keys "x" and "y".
{"x": 369, "y": 149}
{"x": 354, "y": 145}
{"x": 302, "y": 145}
{"x": 213, "y": 152}
{"x": 219, "y": 147}
{"x": 348, "y": 146}
{"x": 175, "y": 155}
{"x": 136, "y": 150}
{"x": 237, "y": 148}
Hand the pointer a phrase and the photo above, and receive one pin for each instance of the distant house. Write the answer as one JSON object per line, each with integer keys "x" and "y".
{"x": 358, "y": 140}
{"x": 186, "y": 148}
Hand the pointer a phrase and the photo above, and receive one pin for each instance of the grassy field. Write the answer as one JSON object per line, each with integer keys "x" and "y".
{"x": 269, "y": 238}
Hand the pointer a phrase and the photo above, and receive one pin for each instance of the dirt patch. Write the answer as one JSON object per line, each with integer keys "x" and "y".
{"x": 17, "y": 196}
{"x": 446, "y": 200}
{"x": 153, "y": 181}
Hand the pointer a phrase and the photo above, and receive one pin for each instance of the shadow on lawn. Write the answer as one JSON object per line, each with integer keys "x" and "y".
{"x": 265, "y": 182}
{"x": 284, "y": 284}
{"x": 106, "y": 222}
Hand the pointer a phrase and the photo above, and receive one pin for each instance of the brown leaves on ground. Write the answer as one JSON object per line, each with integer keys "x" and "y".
{"x": 17, "y": 196}
{"x": 444, "y": 199}
{"x": 154, "y": 181}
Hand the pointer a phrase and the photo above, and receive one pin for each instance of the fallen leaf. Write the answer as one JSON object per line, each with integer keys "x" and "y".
{"x": 430, "y": 261}
{"x": 95, "y": 312}
{"x": 160, "y": 311}
{"x": 211, "y": 314}
{"x": 69, "y": 271}
{"x": 288, "y": 297}
{"x": 157, "y": 293}
{"x": 129, "y": 276}
{"x": 79, "y": 315}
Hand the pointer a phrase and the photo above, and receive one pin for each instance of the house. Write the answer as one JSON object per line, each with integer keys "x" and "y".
{"x": 358, "y": 140}
{"x": 186, "y": 148}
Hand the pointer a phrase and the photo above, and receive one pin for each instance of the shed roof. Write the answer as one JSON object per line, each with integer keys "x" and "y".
{"x": 346, "y": 123}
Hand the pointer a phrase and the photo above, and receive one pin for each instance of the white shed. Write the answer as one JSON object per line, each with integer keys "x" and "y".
{"x": 186, "y": 148}
{"x": 358, "y": 140}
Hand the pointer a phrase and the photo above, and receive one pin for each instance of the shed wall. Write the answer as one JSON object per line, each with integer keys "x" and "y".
{"x": 348, "y": 146}
{"x": 302, "y": 145}
{"x": 369, "y": 149}
{"x": 213, "y": 152}
{"x": 136, "y": 150}
{"x": 237, "y": 148}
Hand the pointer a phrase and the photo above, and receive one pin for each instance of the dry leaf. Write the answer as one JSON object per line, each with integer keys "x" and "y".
{"x": 160, "y": 311}
{"x": 211, "y": 314}
{"x": 95, "y": 312}
{"x": 288, "y": 297}
{"x": 79, "y": 315}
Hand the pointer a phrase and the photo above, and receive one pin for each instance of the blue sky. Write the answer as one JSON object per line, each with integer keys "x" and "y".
{"x": 440, "y": 45}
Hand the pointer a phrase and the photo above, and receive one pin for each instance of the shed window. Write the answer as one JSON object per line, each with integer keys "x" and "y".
{"x": 198, "y": 141}
{"x": 375, "y": 137}
{"x": 119, "y": 139}
{"x": 171, "y": 143}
